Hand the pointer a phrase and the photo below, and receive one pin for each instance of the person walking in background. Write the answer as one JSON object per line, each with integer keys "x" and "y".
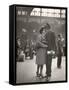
{"x": 60, "y": 50}
{"x": 51, "y": 49}
{"x": 18, "y": 48}
{"x": 40, "y": 52}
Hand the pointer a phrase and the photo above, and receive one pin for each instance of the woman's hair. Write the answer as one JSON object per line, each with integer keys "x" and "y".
{"x": 41, "y": 30}
{"x": 46, "y": 26}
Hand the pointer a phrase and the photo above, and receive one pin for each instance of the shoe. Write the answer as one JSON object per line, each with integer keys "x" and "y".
{"x": 49, "y": 75}
{"x": 41, "y": 76}
{"x": 48, "y": 78}
{"x": 59, "y": 67}
{"x": 37, "y": 74}
{"x": 45, "y": 76}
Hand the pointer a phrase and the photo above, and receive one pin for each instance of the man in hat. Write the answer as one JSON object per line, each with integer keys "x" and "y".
{"x": 51, "y": 49}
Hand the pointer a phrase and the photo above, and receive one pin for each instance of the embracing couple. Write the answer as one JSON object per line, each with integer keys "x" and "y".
{"x": 46, "y": 48}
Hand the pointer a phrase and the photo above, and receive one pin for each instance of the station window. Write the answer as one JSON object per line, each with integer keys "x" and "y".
{"x": 48, "y": 12}
{"x": 63, "y": 13}
{"x": 45, "y": 12}
{"x": 19, "y": 12}
{"x": 23, "y": 12}
{"x": 35, "y": 12}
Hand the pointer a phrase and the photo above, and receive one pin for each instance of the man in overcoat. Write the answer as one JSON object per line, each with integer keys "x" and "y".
{"x": 60, "y": 50}
{"x": 51, "y": 49}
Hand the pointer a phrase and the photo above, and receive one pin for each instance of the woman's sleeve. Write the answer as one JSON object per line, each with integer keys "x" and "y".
{"x": 40, "y": 43}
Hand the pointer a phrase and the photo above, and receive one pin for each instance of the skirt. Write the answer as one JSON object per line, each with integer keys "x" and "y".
{"x": 41, "y": 56}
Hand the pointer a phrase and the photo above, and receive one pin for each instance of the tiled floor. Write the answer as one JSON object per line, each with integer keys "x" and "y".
{"x": 26, "y": 71}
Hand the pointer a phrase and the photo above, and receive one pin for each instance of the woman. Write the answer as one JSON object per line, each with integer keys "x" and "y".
{"x": 41, "y": 51}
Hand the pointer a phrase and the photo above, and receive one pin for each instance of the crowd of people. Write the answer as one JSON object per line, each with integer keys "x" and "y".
{"x": 47, "y": 46}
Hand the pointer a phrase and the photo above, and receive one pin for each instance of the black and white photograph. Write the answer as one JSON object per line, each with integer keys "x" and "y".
{"x": 34, "y": 40}
{"x": 41, "y": 44}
